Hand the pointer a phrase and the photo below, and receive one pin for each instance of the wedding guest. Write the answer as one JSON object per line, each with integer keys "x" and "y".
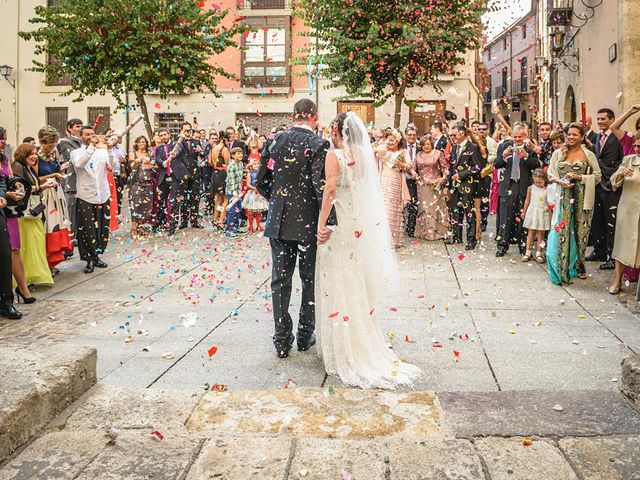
{"x": 262, "y": 139}
{"x": 463, "y": 171}
{"x": 557, "y": 140}
{"x": 207, "y": 172}
{"x": 120, "y": 175}
{"x": 30, "y": 140}
{"x": 626, "y": 248}
{"x": 219, "y": 158}
{"x": 609, "y": 154}
{"x": 487, "y": 172}
{"x": 7, "y": 309}
{"x": 627, "y": 139}
{"x": 233, "y": 189}
{"x": 544, "y": 149}
{"x": 142, "y": 185}
{"x": 576, "y": 170}
{"x": 537, "y": 216}
{"x": 234, "y": 141}
{"x": 65, "y": 147}
{"x": 254, "y": 203}
{"x": 254, "y": 153}
{"x": 92, "y": 162}
{"x": 57, "y": 222}
{"x": 432, "y": 170}
{"x": 482, "y": 186}
{"x": 519, "y": 160}
{"x": 411, "y": 210}
{"x": 590, "y": 135}
{"x": 392, "y": 165}
{"x": 33, "y": 251}
{"x": 164, "y": 181}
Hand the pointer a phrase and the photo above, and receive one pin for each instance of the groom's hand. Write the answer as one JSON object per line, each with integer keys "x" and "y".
{"x": 324, "y": 234}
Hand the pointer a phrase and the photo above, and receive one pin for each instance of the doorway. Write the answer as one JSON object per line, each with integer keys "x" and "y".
{"x": 425, "y": 114}
{"x": 365, "y": 110}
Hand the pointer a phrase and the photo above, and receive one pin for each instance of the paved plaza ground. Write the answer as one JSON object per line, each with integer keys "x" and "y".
{"x": 501, "y": 347}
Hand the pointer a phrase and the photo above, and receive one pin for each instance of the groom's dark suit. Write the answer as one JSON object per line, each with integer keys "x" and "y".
{"x": 291, "y": 176}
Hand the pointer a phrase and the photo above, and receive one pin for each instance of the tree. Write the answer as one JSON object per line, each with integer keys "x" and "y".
{"x": 140, "y": 46}
{"x": 379, "y": 48}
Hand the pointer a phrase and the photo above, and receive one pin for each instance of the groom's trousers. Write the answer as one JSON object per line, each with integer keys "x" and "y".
{"x": 284, "y": 254}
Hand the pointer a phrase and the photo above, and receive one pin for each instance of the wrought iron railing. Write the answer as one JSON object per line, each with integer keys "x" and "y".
{"x": 262, "y": 4}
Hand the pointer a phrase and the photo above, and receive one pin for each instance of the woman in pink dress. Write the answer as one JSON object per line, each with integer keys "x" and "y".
{"x": 432, "y": 170}
{"x": 392, "y": 166}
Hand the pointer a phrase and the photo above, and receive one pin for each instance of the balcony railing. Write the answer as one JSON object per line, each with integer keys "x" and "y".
{"x": 262, "y": 4}
{"x": 519, "y": 86}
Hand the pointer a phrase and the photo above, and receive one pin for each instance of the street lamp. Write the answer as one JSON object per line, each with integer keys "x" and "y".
{"x": 5, "y": 71}
{"x": 557, "y": 39}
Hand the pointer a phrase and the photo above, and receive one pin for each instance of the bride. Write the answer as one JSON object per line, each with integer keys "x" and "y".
{"x": 355, "y": 265}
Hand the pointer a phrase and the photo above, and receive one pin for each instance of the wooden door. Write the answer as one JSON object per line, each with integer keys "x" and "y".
{"x": 425, "y": 114}
{"x": 364, "y": 110}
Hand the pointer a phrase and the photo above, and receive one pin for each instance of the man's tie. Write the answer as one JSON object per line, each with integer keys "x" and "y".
{"x": 411, "y": 152}
{"x": 515, "y": 168}
{"x": 166, "y": 151}
{"x": 603, "y": 140}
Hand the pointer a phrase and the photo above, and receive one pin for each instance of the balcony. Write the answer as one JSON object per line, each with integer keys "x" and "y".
{"x": 499, "y": 92}
{"x": 263, "y": 4}
{"x": 487, "y": 96}
{"x": 520, "y": 86}
{"x": 560, "y": 13}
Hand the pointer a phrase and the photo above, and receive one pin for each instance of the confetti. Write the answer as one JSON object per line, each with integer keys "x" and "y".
{"x": 158, "y": 435}
{"x": 212, "y": 351}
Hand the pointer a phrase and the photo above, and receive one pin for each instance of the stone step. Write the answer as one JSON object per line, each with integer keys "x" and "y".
{"x": 36, "y": 385}
{"x": 326, "y": 433}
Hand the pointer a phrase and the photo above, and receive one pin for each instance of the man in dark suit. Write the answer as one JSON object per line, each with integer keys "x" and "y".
{"x": 291, "y": 176}
{"x": 164, "y": 178}
{"x": 65, "y": 147}
{"x": 544, "y": 150}
{"x": 465, "y": 169}
{"x": 411, "y": 210}
{"x": 591, "y": 135}
{"x": 603, "y": 225}
{"x": 519, "y": 160}
{"x": 187, "y": 179}
{"x": 6, "y": 291}
{"x": 440, "y": 139}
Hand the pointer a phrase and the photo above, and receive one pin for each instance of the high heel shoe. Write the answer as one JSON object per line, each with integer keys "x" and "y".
{"x": 25, "y": 300}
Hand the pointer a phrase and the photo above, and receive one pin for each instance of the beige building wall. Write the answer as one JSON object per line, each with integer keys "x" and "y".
{"x": 23, "y": 109}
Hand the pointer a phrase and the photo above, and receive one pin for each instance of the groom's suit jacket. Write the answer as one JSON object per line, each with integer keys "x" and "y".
{"x": 291, "y": 177}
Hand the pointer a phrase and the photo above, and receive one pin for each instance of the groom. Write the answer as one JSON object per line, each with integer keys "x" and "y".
{"x": 291, "y": 176}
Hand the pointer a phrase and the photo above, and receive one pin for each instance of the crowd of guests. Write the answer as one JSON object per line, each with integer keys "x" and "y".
{"x": 561, "y": 192}
{"x": 552, "y": 196}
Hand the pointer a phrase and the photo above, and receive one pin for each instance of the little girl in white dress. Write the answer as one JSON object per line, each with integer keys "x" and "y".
{"x": 537, "y": 216}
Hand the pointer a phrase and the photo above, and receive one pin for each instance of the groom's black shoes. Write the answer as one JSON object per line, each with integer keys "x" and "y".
{"x": 303, "y": 347}
{"x": 283, "y": 348}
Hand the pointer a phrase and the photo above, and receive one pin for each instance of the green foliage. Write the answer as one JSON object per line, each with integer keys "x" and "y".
{"x": 379, "y": 48}
{"x": 140, "y": 46}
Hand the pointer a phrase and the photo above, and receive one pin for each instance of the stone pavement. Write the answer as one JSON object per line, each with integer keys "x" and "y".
{"x": 499, "y": 344}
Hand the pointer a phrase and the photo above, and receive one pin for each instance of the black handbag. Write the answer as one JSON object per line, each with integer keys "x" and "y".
{"x": 16, "y": 208}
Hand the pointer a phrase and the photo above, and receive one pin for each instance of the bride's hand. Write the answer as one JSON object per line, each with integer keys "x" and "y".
{"x": 324, "y": 234}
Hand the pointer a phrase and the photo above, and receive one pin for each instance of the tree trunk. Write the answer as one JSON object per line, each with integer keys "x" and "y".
{"x": 145, "y": 113}
{"x": 399, "y": 97}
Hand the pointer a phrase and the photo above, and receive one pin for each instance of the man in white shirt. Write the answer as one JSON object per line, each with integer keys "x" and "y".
{"x": 92, "y": 210}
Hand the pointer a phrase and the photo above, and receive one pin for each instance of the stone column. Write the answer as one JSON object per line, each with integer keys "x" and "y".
{"x": 629, "y": 52}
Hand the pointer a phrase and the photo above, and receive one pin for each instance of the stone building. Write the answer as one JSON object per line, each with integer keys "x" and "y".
{"x": 266, "y": 88}
{"x": 589, "y": 51}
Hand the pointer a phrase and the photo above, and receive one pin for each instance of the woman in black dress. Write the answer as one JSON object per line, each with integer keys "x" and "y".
{"x": 218, "y": 160}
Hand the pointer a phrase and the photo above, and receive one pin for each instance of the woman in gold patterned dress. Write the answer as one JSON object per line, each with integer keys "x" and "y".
{"x": 392, "y": 166}
{"x": 575, "y": 169}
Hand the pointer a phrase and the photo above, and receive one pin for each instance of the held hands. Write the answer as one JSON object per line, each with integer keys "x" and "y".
{"x": 15, "y": 196}
{"x": 628, "y": 172}
{"x": 324, "y": 234}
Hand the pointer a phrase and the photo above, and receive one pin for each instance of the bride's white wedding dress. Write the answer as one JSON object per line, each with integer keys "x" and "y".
{"x": 352, "y": 269}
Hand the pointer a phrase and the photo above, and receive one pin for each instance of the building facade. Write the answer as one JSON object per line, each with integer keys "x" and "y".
{"x": 262, "y": 95}
{"x": 510, "y": 59}
{"x": 590, "y": 55}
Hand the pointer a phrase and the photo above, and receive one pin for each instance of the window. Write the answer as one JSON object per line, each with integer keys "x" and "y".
{"x": 505, "y": 74}
{"x": 64, "y": 80}
{"x": 265, "y": 62}
{"x": 170, "y": 121}
{"x": 92, "y": 116}
{"x": 57, "y": 117}
{"x": 524, "y": 75}
{"x": 487, "y": 94}
{"x": 261, "y": 4}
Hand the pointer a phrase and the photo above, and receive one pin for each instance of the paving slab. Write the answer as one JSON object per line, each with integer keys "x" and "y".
{"x": 235, "y": 458}
{"x": 631, "y": 379}
{"x": 37, "y": 385}
{"x": 323, "y": 459}
{"x": 56, "y": 455}
{"x": 442, "y": 459}
{"x": 529, "y": 413}
{"x": 124, "y": 408}
{"x": 610, "y": 458}
{"x": 508, "y": 458}
{"x": 140, "y": 455}
{"x": 329, "y": 413}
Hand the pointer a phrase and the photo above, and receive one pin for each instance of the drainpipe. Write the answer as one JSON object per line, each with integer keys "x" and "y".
{"x": 17, "y": 81}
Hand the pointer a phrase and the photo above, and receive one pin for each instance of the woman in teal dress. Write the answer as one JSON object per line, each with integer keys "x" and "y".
{"x": 575, "y": 169}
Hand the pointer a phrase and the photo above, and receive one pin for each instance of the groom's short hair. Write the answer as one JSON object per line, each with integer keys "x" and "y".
{"x": 304, "y": 109}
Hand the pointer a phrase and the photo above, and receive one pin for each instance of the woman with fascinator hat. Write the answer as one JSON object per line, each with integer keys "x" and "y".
{"x": 392, "y": 165}
{"x": 357, "y": 262}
